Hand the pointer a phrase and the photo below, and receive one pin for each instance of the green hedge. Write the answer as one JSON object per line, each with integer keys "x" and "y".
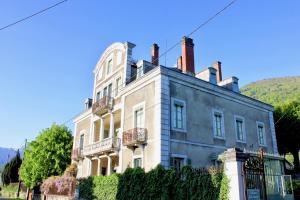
{"x": 159, "y": 183}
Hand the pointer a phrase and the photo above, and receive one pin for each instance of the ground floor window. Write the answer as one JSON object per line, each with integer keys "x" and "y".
{"x": 137, "y": 162}
{"x": 177, "y": 163}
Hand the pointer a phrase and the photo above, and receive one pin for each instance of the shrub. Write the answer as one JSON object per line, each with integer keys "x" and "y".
{"x": 99, "y": 187}
{"x": 159, "y": 183}
{"x": 59, "y": 185}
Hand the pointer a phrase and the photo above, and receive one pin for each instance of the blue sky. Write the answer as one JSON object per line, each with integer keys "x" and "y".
{"x": 46, "y": 62}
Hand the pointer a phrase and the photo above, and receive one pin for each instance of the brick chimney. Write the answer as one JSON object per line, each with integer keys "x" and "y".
{"x": 154, "y": 54}
{"x": 187, "y": 47}
{"x": 179, "y": 63}
{"x": 217, "y": 66}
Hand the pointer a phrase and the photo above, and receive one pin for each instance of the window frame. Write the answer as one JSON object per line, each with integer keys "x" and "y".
{"x": 174, "y": 102}
{"x": 82, "y": 135}
{"x": 261, "y": 124}
{"x": 220, "y": 112}
{"x": 118, "y": 85}
{"x": 108, "y": 66}
{"x": 180, "y": 156}
{"x": 134, "y": 109}
{"x": 240, "y": 118}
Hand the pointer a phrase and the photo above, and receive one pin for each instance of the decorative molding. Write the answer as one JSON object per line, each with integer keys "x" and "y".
{"x": 197, "y": 144}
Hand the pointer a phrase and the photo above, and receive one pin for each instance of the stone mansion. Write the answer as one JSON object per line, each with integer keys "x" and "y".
{"x": 143, "y": 114}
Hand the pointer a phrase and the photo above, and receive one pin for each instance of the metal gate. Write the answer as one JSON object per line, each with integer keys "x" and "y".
{"x": 264, "y": 178}
{"x": 254, "y": 179}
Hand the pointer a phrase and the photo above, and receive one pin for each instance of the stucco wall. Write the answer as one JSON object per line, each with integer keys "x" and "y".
{"x": 144, "y": 95}
{"x": 199, "y": 119}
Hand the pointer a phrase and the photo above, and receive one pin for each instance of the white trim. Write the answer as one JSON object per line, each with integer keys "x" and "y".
{"x": 136, "y": 107}
{"x": 82, "y": 116}
{"x": 184, "y": 116}
{"x": 214, "y": 124}
{"x": 237, "y": 117}
{"x": 258, "y": 123}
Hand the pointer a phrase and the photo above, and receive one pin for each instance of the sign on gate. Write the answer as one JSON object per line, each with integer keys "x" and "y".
{"x": 253, "y": 194}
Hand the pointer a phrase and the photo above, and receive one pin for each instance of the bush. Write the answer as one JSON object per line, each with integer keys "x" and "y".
{"x": 59, "y": 185}
{"x": 159, "y": 183}
{"x": 99, "y": 187}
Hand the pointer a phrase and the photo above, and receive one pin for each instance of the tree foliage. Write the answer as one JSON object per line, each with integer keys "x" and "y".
{"x": 48, "y": 155}
{"x": 287, "y": 127}
{"x": 275, "y": 91}
{"x": 10, "y": 172}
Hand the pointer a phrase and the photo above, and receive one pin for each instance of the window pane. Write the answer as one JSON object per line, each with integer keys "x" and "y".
{"x": 139, "y": 118}
{"x": 239, "y": 128}
{"x": 179, "y": 116}
{"x": 137, "y": 162}
{"x": 218, "y": 125}
{"x": 81, "y": 142}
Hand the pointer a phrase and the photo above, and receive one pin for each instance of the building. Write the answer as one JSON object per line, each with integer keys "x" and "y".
{"x": 144, "y": 114}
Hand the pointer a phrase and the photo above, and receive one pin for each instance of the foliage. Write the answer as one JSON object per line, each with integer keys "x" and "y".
{"x": 158, "y": 183}
{"x": 71, "y": 170}
{"x": 99, "y": 187}
{"x": 59, "y": 185}
{"x": 48, "y": 155}
{"x": 287, "y": 127}
{"x": 10, "y": 172}
{"x": 274, "y": 91}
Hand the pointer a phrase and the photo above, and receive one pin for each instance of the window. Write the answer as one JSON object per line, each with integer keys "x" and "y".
{"x": 105, "y": 92}
{"x": 218, "y": 124}
{"x": 137, "y": 162}
{"x": 138, "y": 116}
{"x": 240, "y": 129}
{"x": 177, "y": 162}
{"x": 109, "y": 90}
{"x": 98, "y": 96}
{"x": 178, "y": 115}
{"x": 81, "y": 142}
{"x": 118, "y": 86}
{"x": 261, "y": 133}
{"x": 109, "y": 67}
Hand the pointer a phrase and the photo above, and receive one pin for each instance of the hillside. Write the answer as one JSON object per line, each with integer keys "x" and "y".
{"x": 275, "y": 90}
{"x": 6, "y": 154}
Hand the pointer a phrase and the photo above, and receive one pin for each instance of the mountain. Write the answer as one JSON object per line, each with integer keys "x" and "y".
{"x": 274, "y": 90}
{"x": 6, "y": 154}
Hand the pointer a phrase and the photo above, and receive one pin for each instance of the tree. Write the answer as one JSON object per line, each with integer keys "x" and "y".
{"x": 287, "y": 128}
{"x": 48, "y": 155}
{"x": 11, "y": 170}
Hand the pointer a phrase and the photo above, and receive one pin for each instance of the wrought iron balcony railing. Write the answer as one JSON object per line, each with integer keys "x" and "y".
{"x": 102, "y": 146}
{"x": 77, "y": 154}
{"x": 103, "y": 105}
{"x": 135, "y": 136}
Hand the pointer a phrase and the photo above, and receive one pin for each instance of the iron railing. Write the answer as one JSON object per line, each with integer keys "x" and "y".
{"x": 135, "y": 136}
{"x": 102, "y": 146}
{"x": 102, "y": 105}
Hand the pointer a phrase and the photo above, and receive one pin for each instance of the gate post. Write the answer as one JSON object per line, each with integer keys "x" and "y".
{"x": 234, "y": 158}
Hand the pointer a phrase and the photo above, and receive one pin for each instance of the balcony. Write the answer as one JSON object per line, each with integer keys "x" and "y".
{"x": 103, "y": 105}
{"x": 103, "y": 146}
{"x": 77, "y": 154}
{"x": 135, "y": 137}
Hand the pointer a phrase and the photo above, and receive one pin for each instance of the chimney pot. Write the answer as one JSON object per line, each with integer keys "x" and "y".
{"x": 154, "y": 54}
{"x": 217, "y": 66}
{"x": 188, "y": 65}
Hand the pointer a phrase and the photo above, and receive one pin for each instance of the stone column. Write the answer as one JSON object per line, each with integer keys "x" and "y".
{"x": 234, "y": 159}
{"x": 99, "y": 167}
{"x": 101, "y": 128}
{"x": 111, "y": 127}
{"x": 108, "y": 165}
